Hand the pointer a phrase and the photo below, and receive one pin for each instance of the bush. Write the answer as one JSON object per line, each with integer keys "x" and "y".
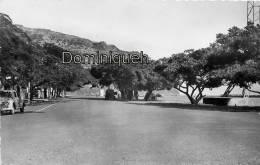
{"x": 150, "y": 97}
{"x": 158, "y": 95}
{"x": 110, "y": 94}
{"x": 153, "y": 97}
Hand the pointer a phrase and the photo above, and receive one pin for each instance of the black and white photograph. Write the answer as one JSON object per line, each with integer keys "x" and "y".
{"x": 129, "y": 82}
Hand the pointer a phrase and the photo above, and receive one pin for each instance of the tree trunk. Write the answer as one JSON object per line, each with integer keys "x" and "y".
{"x": 30, "y": 93}
{"x": 136, "y": 94}
{"x": 123, "y": 94}
{"x": 45, "y": 93}
{"x": 130, "y": 95}
{"x": 58, "y": 92}
{"x": 1, "y": 85}
{"x": 228, "y": 90}
{"x": 258, "y": 92}
{"x": 243, "y": 92}
{"x": 148, "y": 95}
{"x": 192, "y": 100}
{"x": 55, "y": 93}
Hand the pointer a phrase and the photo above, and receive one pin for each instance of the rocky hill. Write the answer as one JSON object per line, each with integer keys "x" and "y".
{"x": 65, "y": 41}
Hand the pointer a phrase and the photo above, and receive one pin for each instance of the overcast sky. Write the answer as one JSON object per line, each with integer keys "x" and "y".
{"x": 158, "y": 27}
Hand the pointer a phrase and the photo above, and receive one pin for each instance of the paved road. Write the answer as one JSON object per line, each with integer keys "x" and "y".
{"x": 91, "y": 132}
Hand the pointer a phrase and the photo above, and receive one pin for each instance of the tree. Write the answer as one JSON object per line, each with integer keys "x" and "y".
{"x": 123, "y": 77}
{"x": 187, "y": 71}
{"x": 149, "y": 80}
{"x": 235, "y": 57}
{"x": 129, "y": 78}
{"x": 15, "y": 53}
{"x": 51, "y": 72}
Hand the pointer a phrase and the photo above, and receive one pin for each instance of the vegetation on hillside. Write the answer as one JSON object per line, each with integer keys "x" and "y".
{"x": 68, "y": 42}
{"x": 23, "y": 61}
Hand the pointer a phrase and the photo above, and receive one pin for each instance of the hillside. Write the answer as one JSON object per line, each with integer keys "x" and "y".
{"x": 25, "y": 61}
{"x": 65, "y": 41}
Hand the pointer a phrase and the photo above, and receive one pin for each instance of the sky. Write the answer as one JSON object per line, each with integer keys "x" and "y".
{"x": 157, "y": 27}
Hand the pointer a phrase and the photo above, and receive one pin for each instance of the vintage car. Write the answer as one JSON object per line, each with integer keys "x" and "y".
{"x": 10, "y": 102}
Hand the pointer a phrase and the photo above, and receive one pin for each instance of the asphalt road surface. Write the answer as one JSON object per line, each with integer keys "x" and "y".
{"x": 97, "y": 132}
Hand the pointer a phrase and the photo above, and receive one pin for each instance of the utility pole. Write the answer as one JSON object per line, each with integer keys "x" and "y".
{"x": 253, "y": 12}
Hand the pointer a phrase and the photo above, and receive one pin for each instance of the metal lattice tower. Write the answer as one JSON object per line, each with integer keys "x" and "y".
{"x": 253, "y": 12}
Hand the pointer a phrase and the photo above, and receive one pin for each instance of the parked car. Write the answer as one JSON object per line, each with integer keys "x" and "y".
{"x": 10, "y": 102}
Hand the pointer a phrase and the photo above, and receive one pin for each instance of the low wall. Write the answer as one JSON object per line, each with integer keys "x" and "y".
{"x": 232, "y": 101}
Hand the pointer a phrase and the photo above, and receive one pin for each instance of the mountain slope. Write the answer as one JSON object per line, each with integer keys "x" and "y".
{"x": 67, "y": 42}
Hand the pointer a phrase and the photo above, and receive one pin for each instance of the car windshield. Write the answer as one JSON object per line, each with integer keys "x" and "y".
{"x": 5, "y": 94}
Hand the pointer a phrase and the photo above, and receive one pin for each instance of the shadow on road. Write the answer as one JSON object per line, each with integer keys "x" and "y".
{"x": 201, "y": 107}
{"x": 86, "y": 98}
{"x": 95, "y": 98}
{"x": 20, "y": 113}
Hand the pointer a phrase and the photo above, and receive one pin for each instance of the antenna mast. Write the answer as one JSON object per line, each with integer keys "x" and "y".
{"x": 253, "y": 12}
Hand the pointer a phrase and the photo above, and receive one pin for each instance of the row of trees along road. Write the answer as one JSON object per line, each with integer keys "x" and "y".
{"x": 25, "y": 62}
{"x": 129, "y": 78}
{"x": 232, "y": 60}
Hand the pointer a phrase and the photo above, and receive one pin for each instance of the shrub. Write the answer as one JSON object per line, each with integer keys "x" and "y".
{"x": 150, "y": 97}
{"x": 110, "y": 94}
{"x": 158, "y": 95}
